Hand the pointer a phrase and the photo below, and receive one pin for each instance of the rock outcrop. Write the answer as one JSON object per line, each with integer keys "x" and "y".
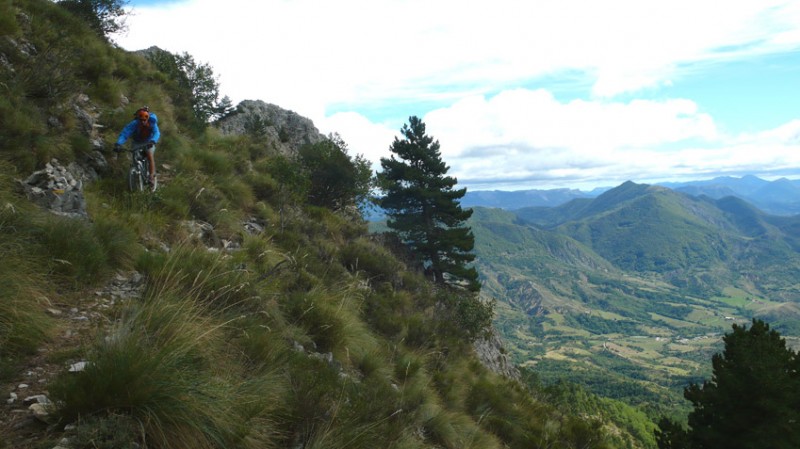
{"x": 59, "y": 188}
{"x": 287, "y": 130}
{"x": 491, "y": 353}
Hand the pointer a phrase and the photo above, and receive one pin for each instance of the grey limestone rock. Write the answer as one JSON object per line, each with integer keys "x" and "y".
{"x": 58, "y": 189}
{"x": 492, "y": 355}
{"x": 286, "y": 129}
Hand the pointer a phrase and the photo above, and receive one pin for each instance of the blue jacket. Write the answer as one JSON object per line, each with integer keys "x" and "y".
{"x": 132, "y": 130}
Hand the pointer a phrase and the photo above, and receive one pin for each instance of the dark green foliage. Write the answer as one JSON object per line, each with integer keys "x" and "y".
{"x": 204, "y": 86}
{"x": 598, "y": 325}
{"x": 576, "y": 400}
{"x": 336, "y": 178}
{"x": 752, "y": 400}
{"x": 8, "y": 25}
{"x": 671, "y": 435}
{"x": 293, "y": 184}
{"x": 197, "y": 85}
{"x": 465, "y": 316}
{"x": 103, "y": 16}
{"x": 424, "y": 209}
{"x": 256, "y": 126}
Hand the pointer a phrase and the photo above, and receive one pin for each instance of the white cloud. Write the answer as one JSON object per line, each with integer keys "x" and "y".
{"x": 529, "y": 140}
{"x": 315, "y": 57}
{"x": 523, "y": 139}
{"x": 307, "y": 54}
{"x": 525, "y": 116}
{"x": 362, "y": 136}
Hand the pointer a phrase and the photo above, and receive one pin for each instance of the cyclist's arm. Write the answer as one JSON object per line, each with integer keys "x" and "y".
{"x": 156, "y": 133}
{"x": 126, "y": 132}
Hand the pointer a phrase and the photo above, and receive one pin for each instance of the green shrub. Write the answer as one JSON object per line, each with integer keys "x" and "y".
{"x": 8, "y": 23}
{"x": 374, "y": 260}
{"x": 109, "y": 89}
{"x": 336, "y": 178}
{"x": 262, "y": 340}
{"x": 206, "y": 200}
{"x": 75, "y": 255}
{"x": 175, "y": 197}
{"x": 264, "y": 187}
{"x": 419, "y": 332}
{"x": 463, "y": 316}
{"x": 331, "y": 318}
{"x": 118, "y": 240}
{"x": 213, "y": 163}
{"x": 312, "y": 396}
{"x": 22, "y": 133}
{"x": 454, "y": 430}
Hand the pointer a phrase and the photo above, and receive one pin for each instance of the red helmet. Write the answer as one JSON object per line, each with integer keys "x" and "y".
{"x": 142, "y": 114}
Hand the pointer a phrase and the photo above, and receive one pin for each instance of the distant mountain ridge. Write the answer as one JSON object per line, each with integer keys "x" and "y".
{"x": 779, "y": 197}
{"x": 633, "y": 287}
{"x": 521, "y": 198}
{"x": 648, "y": 228}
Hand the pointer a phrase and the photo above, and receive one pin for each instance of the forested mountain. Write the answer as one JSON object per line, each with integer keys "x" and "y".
{"x": 630, "y": 291}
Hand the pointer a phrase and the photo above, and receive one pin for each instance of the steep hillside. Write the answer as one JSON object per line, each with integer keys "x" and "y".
{"x": 224, "y": 310}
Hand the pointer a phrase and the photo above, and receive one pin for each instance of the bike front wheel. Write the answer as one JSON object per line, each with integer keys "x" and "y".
{"x": 135, "y": 180}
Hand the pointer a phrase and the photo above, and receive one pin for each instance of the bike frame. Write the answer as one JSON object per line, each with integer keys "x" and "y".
{"x": 139, "y": 173}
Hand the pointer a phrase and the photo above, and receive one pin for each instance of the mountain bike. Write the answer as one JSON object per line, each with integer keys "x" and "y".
{"x": 139, "y": 173}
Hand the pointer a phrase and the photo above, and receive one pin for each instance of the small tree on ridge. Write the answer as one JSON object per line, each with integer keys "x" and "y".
{"x": 424, "y": 209}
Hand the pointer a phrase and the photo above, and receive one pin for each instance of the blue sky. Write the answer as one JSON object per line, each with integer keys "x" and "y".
{"x": 521, "y": 95}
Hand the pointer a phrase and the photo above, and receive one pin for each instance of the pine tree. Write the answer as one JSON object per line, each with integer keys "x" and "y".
{"x": 752, "y": 400}
{"x": 103, "y": 16}
{"x": 424, "y": 209}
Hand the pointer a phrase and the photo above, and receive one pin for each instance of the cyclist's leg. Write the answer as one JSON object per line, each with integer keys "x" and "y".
{"x": 151, "y": 159}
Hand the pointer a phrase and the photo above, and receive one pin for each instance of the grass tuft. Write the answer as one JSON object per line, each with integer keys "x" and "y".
{"x": 163, "y": 366}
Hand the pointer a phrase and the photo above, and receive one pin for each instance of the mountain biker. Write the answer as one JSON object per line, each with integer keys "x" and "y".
{"x": 144, "y": 131}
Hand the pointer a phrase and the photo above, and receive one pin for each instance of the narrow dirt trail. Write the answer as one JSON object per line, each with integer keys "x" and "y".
{"x": 77, "y": 322}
